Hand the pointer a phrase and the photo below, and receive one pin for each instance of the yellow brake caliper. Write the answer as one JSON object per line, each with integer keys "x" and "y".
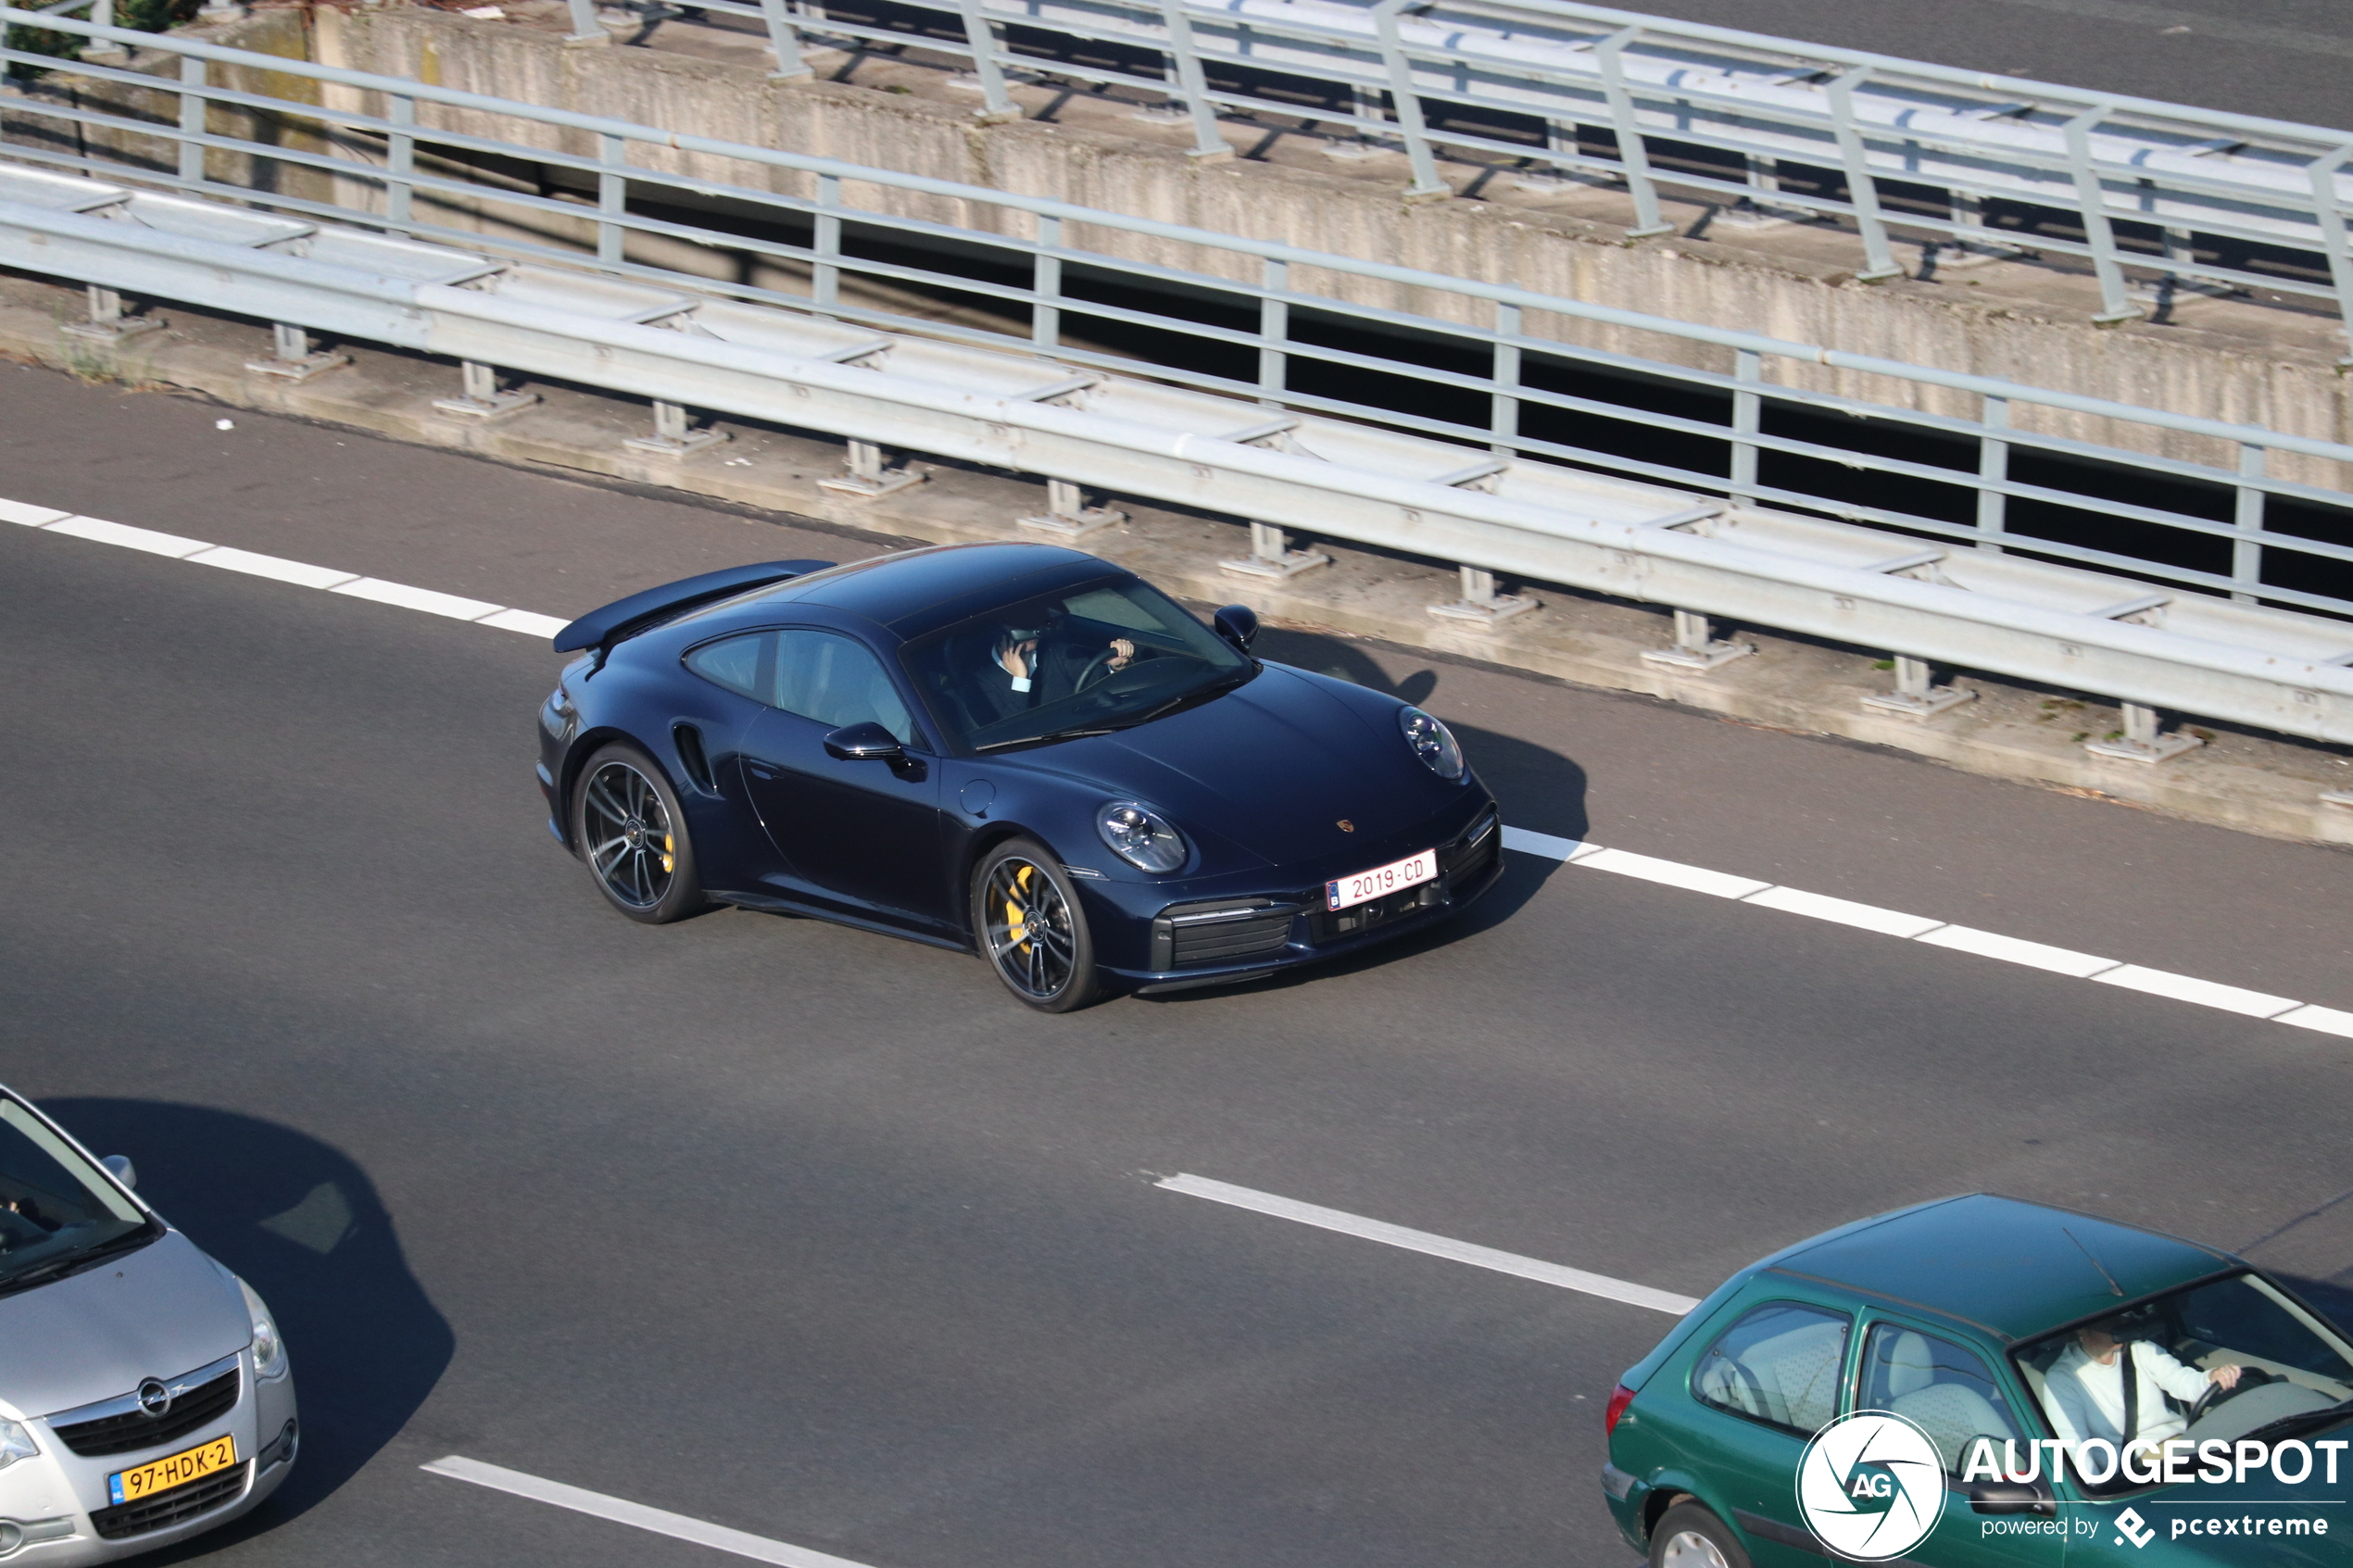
{"x": 1016, "y": 930}
{"x": 669, "y": 853}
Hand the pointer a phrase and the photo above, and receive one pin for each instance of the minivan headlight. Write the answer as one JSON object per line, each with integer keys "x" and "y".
{"x": 1139, "y": 836}
{"x": 1432, "y": 742}
{"x": 269, "y": 1347}
{"x": 15, "y": 1443}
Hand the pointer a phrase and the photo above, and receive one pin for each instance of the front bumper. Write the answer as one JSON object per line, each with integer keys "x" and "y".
{"x": 56, "y": 1509}
{"x": 1243, "y": 928}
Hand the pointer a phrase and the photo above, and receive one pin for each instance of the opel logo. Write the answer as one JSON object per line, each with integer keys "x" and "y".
{"x": 1347, "y": 826}
{"x": 153, "y": 1397}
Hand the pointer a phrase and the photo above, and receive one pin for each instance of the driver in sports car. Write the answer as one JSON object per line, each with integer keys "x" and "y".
{"x": 1039, "y": 666}
{"x": 2090, "y": 1395}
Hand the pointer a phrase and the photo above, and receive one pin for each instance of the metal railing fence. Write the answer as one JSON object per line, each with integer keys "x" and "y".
{"x": 1968, "y": 164}
{"x": 1993, "y": 483}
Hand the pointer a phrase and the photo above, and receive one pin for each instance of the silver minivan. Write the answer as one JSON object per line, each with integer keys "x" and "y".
{"x": 144, "y": 1392}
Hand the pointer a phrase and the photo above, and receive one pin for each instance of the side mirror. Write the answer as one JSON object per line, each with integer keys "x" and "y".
{"x": 1238, "y": 624}
{"x": 119, "y": 1166}
{"x": 2011, "y": 1497}
{"x": 868, "y": 741}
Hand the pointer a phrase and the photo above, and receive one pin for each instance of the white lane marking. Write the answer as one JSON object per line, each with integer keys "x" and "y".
{"x": 1864, "y": 917}
{"x": 1436, "y": 1246}
{"x": 98, "y": 530}
{"x": 620, "y": 1510}
{"x": 1544, "y": 844}
{"x": 2205, "y": 993}
{"x": 1674, "y": 874}
{"x": 276, "y": 568}
{"x": 426, "y": 599}
{"x": 2012, "y": 949}
{"x": 2327, "y": 1020}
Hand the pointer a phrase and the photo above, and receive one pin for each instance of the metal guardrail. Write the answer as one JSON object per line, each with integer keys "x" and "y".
{"x": 1490, "y": 497}
{"x": 1969, "y": 164}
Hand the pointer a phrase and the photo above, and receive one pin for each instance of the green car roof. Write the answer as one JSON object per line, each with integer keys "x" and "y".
{"x": 2018, "y": 1269}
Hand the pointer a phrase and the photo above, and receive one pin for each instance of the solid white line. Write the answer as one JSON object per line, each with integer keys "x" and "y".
{"x": 2012, "y": 949}
{"x": 1864, "y": 917}
{"x": 31, "y": 516}
{"x": 101, "y": 532}
{"x": 426, "y": 599}
{"x": 276, "y": 568}
{"x": 759, "y": 1549}
{"x": 529, "y": 623}
{"x": 1544, "y": 844}
{"x": 1436, "y": 1246}
{"x": 2326, "y": 1020}
{"x": 2188, "y": 988}
{"x": 1674, "y": 874}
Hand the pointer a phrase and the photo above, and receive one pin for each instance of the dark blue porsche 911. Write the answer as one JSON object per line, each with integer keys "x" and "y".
{"x": 1015, "y": 749}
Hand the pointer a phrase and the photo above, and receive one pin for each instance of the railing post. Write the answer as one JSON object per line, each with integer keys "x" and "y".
{"x": 292, "y": 358}
{"x": 1862, "y": 190}
{"x": 1632, "y": 155}
{"x": 1427, "y": 185}
{"x": 2092, "y": 197}
{"x": 1194, "y": 82}
{"x": 1274, "y": 332}
{"x": 1748, "y": 411}
{"x": 613, "y": 198}
{"x": 676, "y": 433}
{"x": 1068, "y": 515}
{"x": 2142, "y": 738}
{"x": 481, "y": 397}
{"x": 1696, "y": 649}
{"x": 585, "y": 28}
{"x": 784, "y": 41}
{"x": 997, "y": 104}
{"x": 97, "y": 51}
{"x": 400, "y": 160}
{"x": 2333, "y": 240}
{"x": 1046, "y": 286}
{"x": 825, "y": 275}
{"x": 871, "y": 475}
{"x": 2246, "y": 515}
{"x": 1992, "y": 468}
{"x": 192, "y": 119}
{"x": 1271, "y": 555}
{"x": 1917, "y": 695}
{"x": 1503, "y": 423}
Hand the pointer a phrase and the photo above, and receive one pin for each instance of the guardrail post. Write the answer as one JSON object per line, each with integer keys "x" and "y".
{"x": 1993, "y": 470}
{"x": 2091, "y": 197}
{"x": 192, "y": 120}
{"x": 1480, "y": 605}
{"x": 1971, "y": 243}
{"x": 98, "y": 50}
{"x": 586, "y": 28}
{"x": 292, "y": 358}
{"x": 1503, "y": 422}
{"x": 1748, "y": 418}
{"x": 1271, "y": 555}
{"x": 825, "y": 275}
{"x": 1427, "y": 185}
{"x": 1046, "y": 285}
{"x": 2142, "y": 740}
{"x": 784, "y": 41}
{"x": 1696, "y": 649}
{"x": 676, "y": 433}
{"x": 400, "y": 160}
{"x": 2246, "y": 552}
{"x": 613, "y": 198}
{"x": 107, "y": 322}
{"x": 1916, "y": 695}
{"x": 1862, "y": 190}
{"x": 989, "y": 73}
{"x": 1193, "y": 80}
{"x": 1633, "y": 156}
{"x": 1068, "y": 515}
{"x": 870, "y": 476}
{"x": 483, "y": 399}
{"x": 1274, "y": 332}
{"x": 2333, "y": 240}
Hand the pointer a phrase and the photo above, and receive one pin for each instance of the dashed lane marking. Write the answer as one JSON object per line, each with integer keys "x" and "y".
{"x": 620, "y": 1510}
{"x": 1571, "y": 851}
{"x": 1436, "y": 1246}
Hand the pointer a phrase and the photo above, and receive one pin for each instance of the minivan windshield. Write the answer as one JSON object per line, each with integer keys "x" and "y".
{"x": 2224, "y": 1359}
{"x": 57, "y": 1213}
{"x": 1105, "y": 656}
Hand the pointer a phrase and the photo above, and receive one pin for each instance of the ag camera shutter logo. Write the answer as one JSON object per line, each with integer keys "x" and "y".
{"x": 1870, "y": 1486}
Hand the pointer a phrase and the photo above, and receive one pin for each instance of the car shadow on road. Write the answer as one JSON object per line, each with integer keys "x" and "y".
{"x": 1537, "y": 789}
{"x": 302, "y": 1224}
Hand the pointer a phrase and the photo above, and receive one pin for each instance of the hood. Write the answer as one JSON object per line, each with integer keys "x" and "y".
{"x": 156, "y": 1312}
{"x": 1271, "y": 767}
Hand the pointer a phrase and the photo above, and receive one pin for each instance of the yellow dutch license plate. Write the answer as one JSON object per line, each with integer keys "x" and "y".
{"x": 177, "y": 1469}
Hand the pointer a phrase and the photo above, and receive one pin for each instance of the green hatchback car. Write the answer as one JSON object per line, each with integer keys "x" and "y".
{"x": 1980, "y": 1381}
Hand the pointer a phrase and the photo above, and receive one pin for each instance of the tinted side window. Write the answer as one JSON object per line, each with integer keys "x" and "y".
{"x": 1778, "y": 1364}
{"x": 828, "y": 677}
{"x": 1944, "y": 1389}
{"x": 740, "y": 664}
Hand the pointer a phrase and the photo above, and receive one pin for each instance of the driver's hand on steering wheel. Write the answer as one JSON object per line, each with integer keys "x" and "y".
{"x": 1122, "y": 651}
{"x": 2225, "y": 1376}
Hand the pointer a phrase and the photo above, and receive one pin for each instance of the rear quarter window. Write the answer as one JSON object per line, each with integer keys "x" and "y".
{"x": 1778, "y": 1365}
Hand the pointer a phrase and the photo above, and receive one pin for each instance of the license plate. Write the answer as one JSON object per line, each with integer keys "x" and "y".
{"x": 178, "y": 1470}
{"x": 1360, "y": 886}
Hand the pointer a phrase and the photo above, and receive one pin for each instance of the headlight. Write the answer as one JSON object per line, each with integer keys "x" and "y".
{"x": 15, "y": 1443}
{"x": 269, "y": 1349}
{"x": 1432, "y": 742}
{"x": 1139, "y": 836}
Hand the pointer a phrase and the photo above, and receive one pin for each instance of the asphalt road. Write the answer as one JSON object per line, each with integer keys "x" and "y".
{"x": 818, "y": 1235}
{"x": 2285, "y": 59}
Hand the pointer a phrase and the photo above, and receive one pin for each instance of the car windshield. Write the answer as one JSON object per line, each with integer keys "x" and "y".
{"x": 1105, "y": 656}
{"x": 57, "y": 1212}
{"x": 2219, "y": 1360}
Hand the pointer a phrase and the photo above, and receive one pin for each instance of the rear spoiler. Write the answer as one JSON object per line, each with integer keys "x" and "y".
{"x": 601, "y": 629}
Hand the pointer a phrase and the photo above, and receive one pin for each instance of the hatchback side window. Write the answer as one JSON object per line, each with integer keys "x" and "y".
{"x": 825, "y": 676}
{"x": 1778, "y": 1364}
{"x": 743, "y": 665}
{"x": 1943, "y": 1389}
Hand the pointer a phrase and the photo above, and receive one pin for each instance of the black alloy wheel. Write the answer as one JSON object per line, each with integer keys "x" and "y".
{"x": 1031, "y": 930}
{"x": 628, "y": 827}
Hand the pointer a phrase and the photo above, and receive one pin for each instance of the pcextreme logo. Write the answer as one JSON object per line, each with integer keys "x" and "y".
{"x": 1870, "y": 1486}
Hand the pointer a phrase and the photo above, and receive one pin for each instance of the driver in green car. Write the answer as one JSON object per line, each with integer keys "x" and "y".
{"x": 2112, "y": 1382}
